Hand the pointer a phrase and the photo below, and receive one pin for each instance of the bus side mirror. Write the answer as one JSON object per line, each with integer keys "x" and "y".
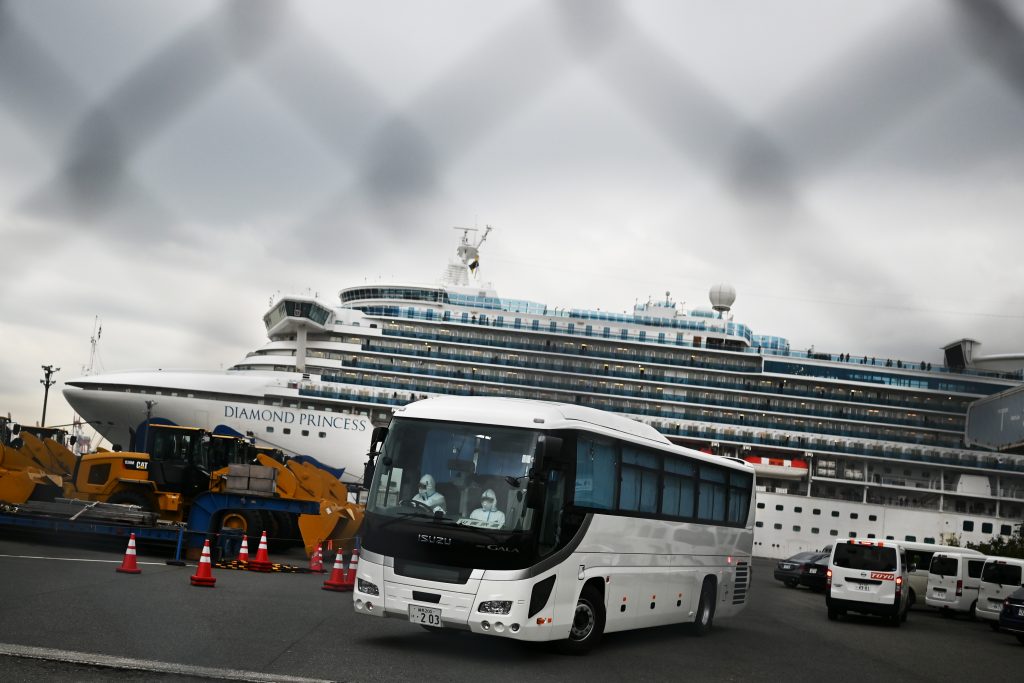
{"x": 377, "y": 438}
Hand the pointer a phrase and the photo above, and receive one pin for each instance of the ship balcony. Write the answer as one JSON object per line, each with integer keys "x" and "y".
{"x": 596, "y": 383}
{"x": 421, "y": 382}
{"x": 652, "y": 372}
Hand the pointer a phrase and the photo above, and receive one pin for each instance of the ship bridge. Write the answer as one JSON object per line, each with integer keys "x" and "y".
{"x": 297, "y": 315}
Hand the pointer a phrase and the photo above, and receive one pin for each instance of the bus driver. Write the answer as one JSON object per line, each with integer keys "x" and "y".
{"x": 428, "y": 494}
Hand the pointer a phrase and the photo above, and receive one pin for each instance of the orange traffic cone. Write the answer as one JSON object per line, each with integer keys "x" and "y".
{"x": 337, "y": 580}
{"x": 316, "y": 562}
{"x": 243, "y": 551}
{"x": 128, "y": 565}
{"x": 204, "y": 574}
{"x": 353, "y": 567}
{"x": 262, "y": 561}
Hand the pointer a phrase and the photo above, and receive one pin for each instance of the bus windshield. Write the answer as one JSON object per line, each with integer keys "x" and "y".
{"x": 454, "y": 473}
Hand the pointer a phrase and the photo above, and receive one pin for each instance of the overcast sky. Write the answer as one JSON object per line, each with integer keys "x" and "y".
{"x": 854, "y": 168}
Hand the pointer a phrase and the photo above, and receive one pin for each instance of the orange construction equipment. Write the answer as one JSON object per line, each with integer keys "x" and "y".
{"x": 243, "y": 551}
{"x": 204, "y": 572}
{"x": 129, "y": 565}
{"x": 337, "y": 581}
{"x": 262, "y": 561}
{"x": 316, "y": 561}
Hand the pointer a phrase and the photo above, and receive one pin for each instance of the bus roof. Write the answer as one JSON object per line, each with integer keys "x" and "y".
{"x": 546, "y": 415}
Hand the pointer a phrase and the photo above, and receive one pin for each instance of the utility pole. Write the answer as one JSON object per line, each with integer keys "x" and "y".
{"x": 48, "y": 371}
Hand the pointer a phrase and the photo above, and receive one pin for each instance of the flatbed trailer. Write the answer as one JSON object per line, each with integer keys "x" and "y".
{"x": 119, "y": 521}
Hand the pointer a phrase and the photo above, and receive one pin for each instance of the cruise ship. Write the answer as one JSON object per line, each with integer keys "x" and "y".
{"x": 844, "y": 445}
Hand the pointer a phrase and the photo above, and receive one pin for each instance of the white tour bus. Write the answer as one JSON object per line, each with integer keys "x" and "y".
{"x": 919, "y": 559}
{"x": 1000, "y": 577}
{"x": 953, "y": 582}
{"x": 544, "y": 521}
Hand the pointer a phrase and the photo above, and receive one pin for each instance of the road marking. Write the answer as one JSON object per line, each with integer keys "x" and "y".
{"x": 92, "y": 659}
{"x": 72, "y": 559}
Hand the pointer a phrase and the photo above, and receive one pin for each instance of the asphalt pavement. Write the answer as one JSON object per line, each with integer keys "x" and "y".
{"x": 65, "y": 613}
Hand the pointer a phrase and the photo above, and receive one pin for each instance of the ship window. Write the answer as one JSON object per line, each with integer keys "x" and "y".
{"x": 287, "y": 430}
{"x": 986, "y": 527}
{"x": 968, "y": 525}
{"x": 872, "y": 518}
{"x": 929, "y": 540}
{"x": 1005, "y": 530}
{"x": 778, "y": 526}
{"x": 778, "y": 507}
{"x": 853, "y": 515}
{"x": 890, "y": 538}
{"x": 833, "y": 532}
{"x": 910, "y": 538}
{"x": 305, "y": 432}
{"x": 871, "y": 535}
{"x": 798, "y": 509}
{"x": 815, "y": 530}
{"x": 270, "y": 430}
{"x": 796, "y": 527}
{"x": 760, "y": 506}
{"x": 759, "y": 524}
{"x": 323, "y": 435}
{"x": 835, "y": 513}
{"x": 816, "y": 511}
{"x": 853, "y": 534}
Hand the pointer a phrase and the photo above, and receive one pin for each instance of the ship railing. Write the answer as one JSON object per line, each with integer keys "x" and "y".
{"x": 492, "y": 321}
{"x": 852, "y": 414}
{"x": 708, "y": 432}
{"x": 776, "y": 389}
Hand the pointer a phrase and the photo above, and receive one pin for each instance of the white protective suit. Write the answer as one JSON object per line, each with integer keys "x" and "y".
{"x": 429, "y": 496}
{"x": 488, "y": 511}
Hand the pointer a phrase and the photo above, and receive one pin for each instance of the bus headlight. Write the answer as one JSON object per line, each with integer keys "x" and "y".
{"x": 495, "y": 607}
{"x": 368, "y": 588}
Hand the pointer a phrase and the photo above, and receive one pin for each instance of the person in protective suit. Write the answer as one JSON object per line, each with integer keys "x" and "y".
{"x": 488, "y": 511}
{"x": 429, "y": 496}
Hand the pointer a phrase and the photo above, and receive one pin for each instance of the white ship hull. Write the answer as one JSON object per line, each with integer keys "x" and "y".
{"x": 245, "y": 406}
{"x": 798, "y": 522}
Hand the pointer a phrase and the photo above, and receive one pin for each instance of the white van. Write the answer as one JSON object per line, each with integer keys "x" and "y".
{"x": 953, "y": 582}
{"x": 867, "y": 576}
{"x": 999, "y": 577}
{"x": 919, "y": 558}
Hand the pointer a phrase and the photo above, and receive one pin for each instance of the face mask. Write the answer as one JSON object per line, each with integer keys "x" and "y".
{"x": 487, "y": 504}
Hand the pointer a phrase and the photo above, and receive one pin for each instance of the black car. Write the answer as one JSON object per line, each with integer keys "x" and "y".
{"x": 815, "y": 574}
{"x": 788, "y": 571}
{"x": 1011, "y": 619}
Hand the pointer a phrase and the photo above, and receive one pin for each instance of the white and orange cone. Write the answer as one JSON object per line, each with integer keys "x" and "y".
{"x": 262, "y": 561}
{"x": 204, "y": 572}
{"x": 243, "y": 551}
{"x": 353, "y": 567}
{"x": 337, "y": 580}
{"x": 129, "y": 565}
{"x": 316, "y": 561}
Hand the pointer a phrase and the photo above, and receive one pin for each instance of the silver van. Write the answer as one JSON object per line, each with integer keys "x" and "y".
{"x": 953, "y": 583}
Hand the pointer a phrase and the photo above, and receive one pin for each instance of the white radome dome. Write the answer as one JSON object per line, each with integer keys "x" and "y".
{"x": 722, "y": 296}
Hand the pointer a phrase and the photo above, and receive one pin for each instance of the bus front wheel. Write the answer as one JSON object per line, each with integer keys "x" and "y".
{"x": 587, "y": 623}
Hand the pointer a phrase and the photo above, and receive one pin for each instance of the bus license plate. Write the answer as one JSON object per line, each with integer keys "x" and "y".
{"x": 426, "y": 616}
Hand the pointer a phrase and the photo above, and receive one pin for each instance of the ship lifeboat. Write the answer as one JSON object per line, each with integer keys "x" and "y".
{"x": 778, "y": 468}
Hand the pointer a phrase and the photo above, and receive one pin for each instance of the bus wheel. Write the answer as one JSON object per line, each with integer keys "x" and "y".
{"x": 705, "y": 609}
{"x": 587, "y": 623}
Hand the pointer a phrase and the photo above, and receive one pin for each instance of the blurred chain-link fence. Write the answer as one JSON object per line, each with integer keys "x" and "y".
{"x": 396, "y": 153}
